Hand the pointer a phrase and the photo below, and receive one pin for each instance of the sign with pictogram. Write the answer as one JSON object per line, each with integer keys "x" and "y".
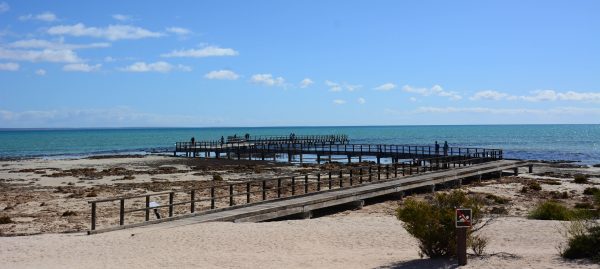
{"x": 464, "y": 217}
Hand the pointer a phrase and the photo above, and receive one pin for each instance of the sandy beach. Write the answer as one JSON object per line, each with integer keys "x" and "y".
{"x": 36, "y": 192}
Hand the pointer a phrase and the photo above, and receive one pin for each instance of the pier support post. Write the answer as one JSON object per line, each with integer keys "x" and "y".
{"x": 307, "y": 214}
{"x": 349, "y": 159}
{"x": 360, "y": 158}
{"x": 358, "y": 204}
{"x": 516, "y": 171}
{"x": 531, "y": 168}
{"x": 318, "y": 159}
{"x": 378, "y": 159}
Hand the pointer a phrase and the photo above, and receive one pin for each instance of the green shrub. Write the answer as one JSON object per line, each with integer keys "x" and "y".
{"x": 584, "y": 206}
{"x": 69, "y": 213}
{"x": 432, "y": 223}
{"x": 580, "y": 179}
{"x": 478, "y": 244}
{"x": 534, "y": 185}
{"x": 497, "y": 199}
{"x": 217, "y": 177}
{"x": 583, "y": 241}
{"x": 551, "y": 210}
{"x": 591, "y": 190}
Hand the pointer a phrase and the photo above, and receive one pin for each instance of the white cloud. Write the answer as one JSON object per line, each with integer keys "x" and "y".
{"x": 385, "y": 87}
{"x": 103, "y": 117}
{"x": 46, "y": 16}
{"x": 412, "y": 99}
{"x": 4, "y": 7}
{"x": 40, "y": 72}
{"x": 55, "y": 45}
{"x": 81, "y": 67}
{"x": 306, "y": 83}
{"x": 509, "y": 111}
{"x": 46, "y": 55}
{"x": 333, "y": 86}
{"x": 121, "y": 17}
{"x": 361, "y": 100}
{"x": 539, "y": 96}
{"x": 179, "y": 31}
{"x": 109, "y": 59}
{"x": 351, "y": 87}
{"x": 339, "y": 102}
{"x": 436, "y": 90}
{"x": 268, "y": 80}
{"x": 9, "y": 66}
{"x": 112, "y": 32}
{"x": 210, "y": 51}
{"x": 222, "y": 75}
{"x": 488, "y": 95}
{"x": 161, "y": 67}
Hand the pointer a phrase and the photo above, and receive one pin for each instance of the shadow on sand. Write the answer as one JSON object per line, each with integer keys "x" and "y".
{"x": 422, "y": 263}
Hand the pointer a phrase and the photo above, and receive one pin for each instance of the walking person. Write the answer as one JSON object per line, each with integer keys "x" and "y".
{"x": 445, "y": 148}
{"x": 437, "y": 148}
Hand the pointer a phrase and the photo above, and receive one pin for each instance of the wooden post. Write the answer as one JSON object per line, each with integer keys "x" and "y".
{"x": 387, "y": 171}
{"x": 530, "y": 168}
{"x": 279, "y": 188}
{"x": 319, "y": 182}
{"x": 212, "y": 197}
{"x": 360, "y": 172}
{"x": 192, "y": 198}
{"x": 230, "y": 194}
{"x": 171, "y": 196}
{"x": 351, "y": 179}
{"x": 247, "y": 192}
{"x": 305, "y": 183}
{"x": 147, "y": 207}
{"x": 378, "y": 172}
{"x": 461, "y": 244}
{"x": 370, "y": 173}
{"x": 329, "y": 180}
{"x": 93, "y": 216}
{"x": 122, "y": 212}
{"x": 264, "y": 190}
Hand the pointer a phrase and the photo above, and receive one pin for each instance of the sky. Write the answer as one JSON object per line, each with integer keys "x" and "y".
{"x": 297, "y": 63}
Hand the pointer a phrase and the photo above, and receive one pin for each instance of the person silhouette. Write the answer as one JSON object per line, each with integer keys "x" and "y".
{"x": 437, "y": 148}
{"x": 445, "y": 148}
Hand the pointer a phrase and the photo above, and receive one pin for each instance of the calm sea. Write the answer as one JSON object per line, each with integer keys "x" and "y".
{"x": 536, "y": 142}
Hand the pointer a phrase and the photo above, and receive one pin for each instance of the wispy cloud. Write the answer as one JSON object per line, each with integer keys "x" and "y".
{"x": 55, "y": 45}
{"x": 4, "y": 7}
{"x": 305, "y": 83}
{"x": 46, "y": 55}
{"x": 122, "y": 17}
{"x": 210, "y": 51}
{"x": 81, "y": 67}
{"x": 268, "y": 80}
{"x": 178, "y": 30}
{"x": 436, "y": 90}
{"x": 111, "y": 32}
{"x": 385, "y": 87}
{"x": 40, "y": 72}
{"x": 361, "y": 100}
{"x": 339, "y": 102}
{"x": 222, "y": 75}
{"x": 539, "y": 96}
{"x": 46, "y": 16}
{"x": 333, "y": 86}
{"x": 9, "y": 66}
{"x": 160, "y": 67}
{"x": 109, "y": 117}
{"x": 510, "y": 111}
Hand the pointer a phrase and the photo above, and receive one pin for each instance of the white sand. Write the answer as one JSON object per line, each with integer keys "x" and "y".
{"x": 353, "y": 241}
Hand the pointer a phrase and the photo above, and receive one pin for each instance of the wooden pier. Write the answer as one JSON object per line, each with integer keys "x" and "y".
{"x": 322, "y": 150}
{"x": 264, "y": 199}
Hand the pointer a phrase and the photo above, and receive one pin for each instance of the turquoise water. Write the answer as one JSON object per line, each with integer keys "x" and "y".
{"x": 539, "y": 142}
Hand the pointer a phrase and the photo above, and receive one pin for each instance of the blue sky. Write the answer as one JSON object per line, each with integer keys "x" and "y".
{"x": 286, "y": 63}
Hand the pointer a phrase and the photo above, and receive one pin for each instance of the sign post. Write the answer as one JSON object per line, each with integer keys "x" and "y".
{"x": 463, "y": 222}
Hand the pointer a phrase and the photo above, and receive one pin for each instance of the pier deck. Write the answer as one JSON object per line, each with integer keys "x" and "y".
{"x": 305, "y": 202}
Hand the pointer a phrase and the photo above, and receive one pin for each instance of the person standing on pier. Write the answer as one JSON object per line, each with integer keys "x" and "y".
{"x": 222, "y": 140}
{"x": 445, "y": 148}
{"x": 193, "y": 140}
{"x": 437, "y": 148}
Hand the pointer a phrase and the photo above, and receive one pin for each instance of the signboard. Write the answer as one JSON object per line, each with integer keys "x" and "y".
{"x": 463, "y": 217}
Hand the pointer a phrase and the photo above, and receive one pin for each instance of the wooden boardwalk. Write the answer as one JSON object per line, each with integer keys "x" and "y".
{"x": 304, "y": 204}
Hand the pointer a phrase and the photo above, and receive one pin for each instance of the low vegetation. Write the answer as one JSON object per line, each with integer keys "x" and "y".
{"x": 551, "y": 210}
{"x": 591, "y": 191}
{"x": 432, "y": 223}
{"x": 583, "y": 241}
{"x": 580, "y": 178}
{"x": 5, "y": 220}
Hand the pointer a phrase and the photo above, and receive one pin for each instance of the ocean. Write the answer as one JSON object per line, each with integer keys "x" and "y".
{"x": 579, "y": 143}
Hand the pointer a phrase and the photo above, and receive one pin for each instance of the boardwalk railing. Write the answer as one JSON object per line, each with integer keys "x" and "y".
{"x": 395, "y": 152}
{"x": 277, "y": 139}
{"x": 219, "y": 196}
